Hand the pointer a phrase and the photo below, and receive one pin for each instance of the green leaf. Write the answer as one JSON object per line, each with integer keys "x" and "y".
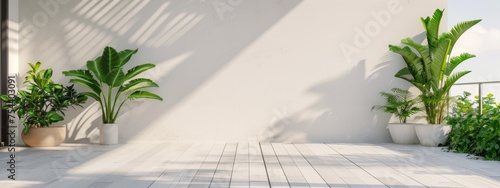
{"x": 83, "y": 74}
{"x": 138, "y": 70}
{"x": 438, "y": 65}
{"x": 422, "y": 50}
{"x": 20, "y": 113}
{"x": 110, "y": 60}
{"x": 125, "y": 56}
{"x": 137, "y": 84}
{"x": 92, "y": 95}
{"x": 4, "y": 98}
{"x": 95, "y": 88}
{"x": 26, "y": 130}
{"x": 96, "y": 69}
{"x": 35, "y": 67}
{"x": 48, "y": 74}
{"x": 54, "y": 116}
{"x": 144, "y": 95}
{"x": 457, "y": 31}
{"x": 457, "y": 60}
{"x": 431, "y": 26}
{"x": 115, "y": 78}
{"x": 452, "y": 79}
{"x": 413, "y": 62}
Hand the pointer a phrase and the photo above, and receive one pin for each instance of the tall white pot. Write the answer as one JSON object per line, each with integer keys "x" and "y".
{"x": 403, "y": 133}
{"x": 108, "y": 134}
{"x": 432, "y": 135}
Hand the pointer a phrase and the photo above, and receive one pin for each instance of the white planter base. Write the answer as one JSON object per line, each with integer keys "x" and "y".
{"x": 403, "y": 133}
{"x": 108, "y": 134}
{"x": 432, "y": 135}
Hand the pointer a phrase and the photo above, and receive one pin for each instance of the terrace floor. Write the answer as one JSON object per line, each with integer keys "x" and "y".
{"x": 246, "y": 165}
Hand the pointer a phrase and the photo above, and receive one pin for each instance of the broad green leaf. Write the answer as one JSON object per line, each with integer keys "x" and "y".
{"x": 110, "y": 60}
{"x": 432, "y": 28}
{"x": 144, "y": 95}
{"x": 95, "y": 88}
{"x": 94, "y": 67}
{"x": 54, "y": 116}
{"x": 92, "y": 95}
{"x": 457, "y": 31}
{"x": 438, "y": 65}
{"x": 413, "y": 62}
{"x": 137, "y": 84}
{"x": 125, "y": 56}
{"x": 115, "y": 78}
{"x": 421, "y": 49}
{"x": 452, "y": 79}
{"x": 83, "y": 74}
{"x": 138, "y": 70}
{"x": 457, "y": 60}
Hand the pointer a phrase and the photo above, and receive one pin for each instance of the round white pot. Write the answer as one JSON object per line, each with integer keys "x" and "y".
{"x": 403, "y": 133}
{"x": 432, "y": 135}
{"x": 108, "y": 134}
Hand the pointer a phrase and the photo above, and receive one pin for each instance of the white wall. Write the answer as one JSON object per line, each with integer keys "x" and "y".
{"x": 235, "y": 70}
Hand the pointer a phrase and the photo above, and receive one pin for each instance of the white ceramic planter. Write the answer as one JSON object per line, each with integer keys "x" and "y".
{"x": 403, "y": 133}
{"x": 108, "y": 134}
{"x": 432, "y": 135}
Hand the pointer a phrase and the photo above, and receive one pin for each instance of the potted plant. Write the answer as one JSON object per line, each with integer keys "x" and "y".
{"x": 430, "y": 68}
{"x": 111, "y": 86}
{"x": 42, "y": 104}
{"x": 402, "y": 104}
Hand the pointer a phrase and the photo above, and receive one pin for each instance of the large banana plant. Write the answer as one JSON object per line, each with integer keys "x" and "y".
{"x": 110, "y": 85}
{"x": 430, "y": 67}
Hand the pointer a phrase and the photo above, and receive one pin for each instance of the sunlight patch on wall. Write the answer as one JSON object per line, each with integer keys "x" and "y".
{"x": 117, "y": 16}
{"x": 152, "y": 34}
{"x": 154, "y": 21}
{"x": 170, "y": 35}
{"x": 82, "y": 39}
{"x": 163, "y": 68}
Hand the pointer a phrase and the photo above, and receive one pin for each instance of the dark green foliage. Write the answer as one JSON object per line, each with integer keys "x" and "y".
{"x": 43, "y": 102}
{"x": 400, "y": 102}
{"x": 475, "y": 133}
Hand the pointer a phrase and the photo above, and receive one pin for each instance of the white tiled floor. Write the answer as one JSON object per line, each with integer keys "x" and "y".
{"x": 246, "y": 165}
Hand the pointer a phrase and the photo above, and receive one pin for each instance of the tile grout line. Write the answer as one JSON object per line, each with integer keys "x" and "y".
{"x": 217, "y": 167}
{"x": 315, "y": 167}
{"x": 234, "y": 162}
{"x": 177, "y": 158}
{"x": 279, "y": 161}
{"x": 265, "y": 165}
